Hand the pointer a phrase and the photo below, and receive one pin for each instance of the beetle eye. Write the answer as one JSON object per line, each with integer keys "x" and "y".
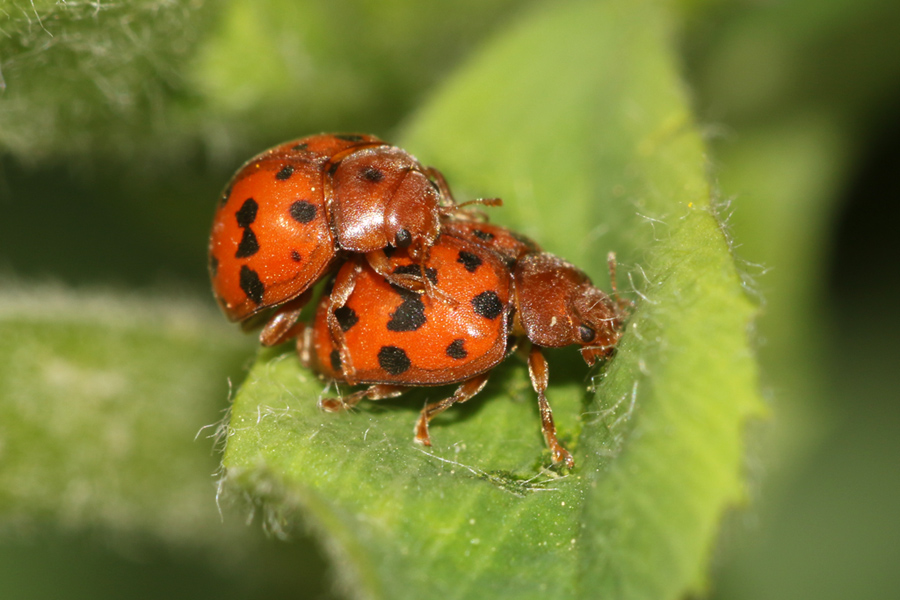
{"x": 587, "y": 334}
{"x": 403, "y": 239}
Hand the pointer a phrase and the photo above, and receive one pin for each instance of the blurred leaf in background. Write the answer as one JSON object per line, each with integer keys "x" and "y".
{"x": 801, "y": 100}
{"x": 119, "y": 123}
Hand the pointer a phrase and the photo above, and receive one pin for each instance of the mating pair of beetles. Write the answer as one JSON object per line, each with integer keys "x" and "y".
{"x": 421, "y": 291}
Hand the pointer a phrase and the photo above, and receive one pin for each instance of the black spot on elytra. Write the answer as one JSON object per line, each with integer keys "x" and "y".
{"x": 251, "y": 284}
{"x": 487, "y": 304}
{"x": 247, "y": 213}
{"x": 335, "y": 358}
{"x": 414, "y": 269}
{"x": 284, "y": 173}
{"x": 303, "y": 211}
{"x": 300, "y": 147}
{"x": 393, "y": 360}
{"x": 371, "y": 174}
{"x": 346, "y": 317}
{"x": 349, "y": 137}
{"x": 213, "y": 265}
{"x": 295, "y": 256}
{"x": 483, "y": 235}
{"x": 468, "y": 260}
{"x": 457, "y": 349}
{"x": 248, "y": 246}
{"x": 410, "y": 315}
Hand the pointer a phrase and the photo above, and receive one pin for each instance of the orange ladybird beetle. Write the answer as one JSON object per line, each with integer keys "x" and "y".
{"x": 501, "y": 288}
{"x": 289, "y": 213}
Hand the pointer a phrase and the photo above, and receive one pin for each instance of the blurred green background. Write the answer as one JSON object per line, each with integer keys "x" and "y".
{"x": 120, "y": 123}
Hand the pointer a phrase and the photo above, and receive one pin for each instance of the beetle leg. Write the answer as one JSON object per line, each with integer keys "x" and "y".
{"x": 442, "y": 185}
{"x": 373, "y": 392}
{"x": 284, "y": 324}
{"x": 380, "y": 263}
{"x": 464, "y": 392}
{"x": 343, "y": 287}
{"x": 408, "y": 281}
{"x": 305, "y": 346}
{"x": 540, "y": 375}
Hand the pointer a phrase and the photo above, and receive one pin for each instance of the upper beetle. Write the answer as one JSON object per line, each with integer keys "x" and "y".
{"x": 289, "y": 213}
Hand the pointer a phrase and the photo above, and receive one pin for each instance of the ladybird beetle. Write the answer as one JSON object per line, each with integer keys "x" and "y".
{"x": 394, "y": 339}
{"x": 289, "y": 213}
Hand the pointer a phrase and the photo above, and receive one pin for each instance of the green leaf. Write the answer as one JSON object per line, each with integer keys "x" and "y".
{"x": 577, "y": 119}
{"x": 108, "y": 403}
{"x": 275, "y": 68}
{"x": 99, "y": 77}
{"x": 154, "y": 81}
{"x": 101, "y": 399}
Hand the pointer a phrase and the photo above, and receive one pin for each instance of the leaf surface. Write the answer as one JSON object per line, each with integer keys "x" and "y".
{"x": 105, "y": 405}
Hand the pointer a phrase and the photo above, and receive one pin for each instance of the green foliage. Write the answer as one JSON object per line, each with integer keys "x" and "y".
{"x": 119, "y": 123}
{"x": 278, "y": 66}
{"x": 102, "y": 397}
{"x": 159, "y": 79}
{"x": 94, "y": 77}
